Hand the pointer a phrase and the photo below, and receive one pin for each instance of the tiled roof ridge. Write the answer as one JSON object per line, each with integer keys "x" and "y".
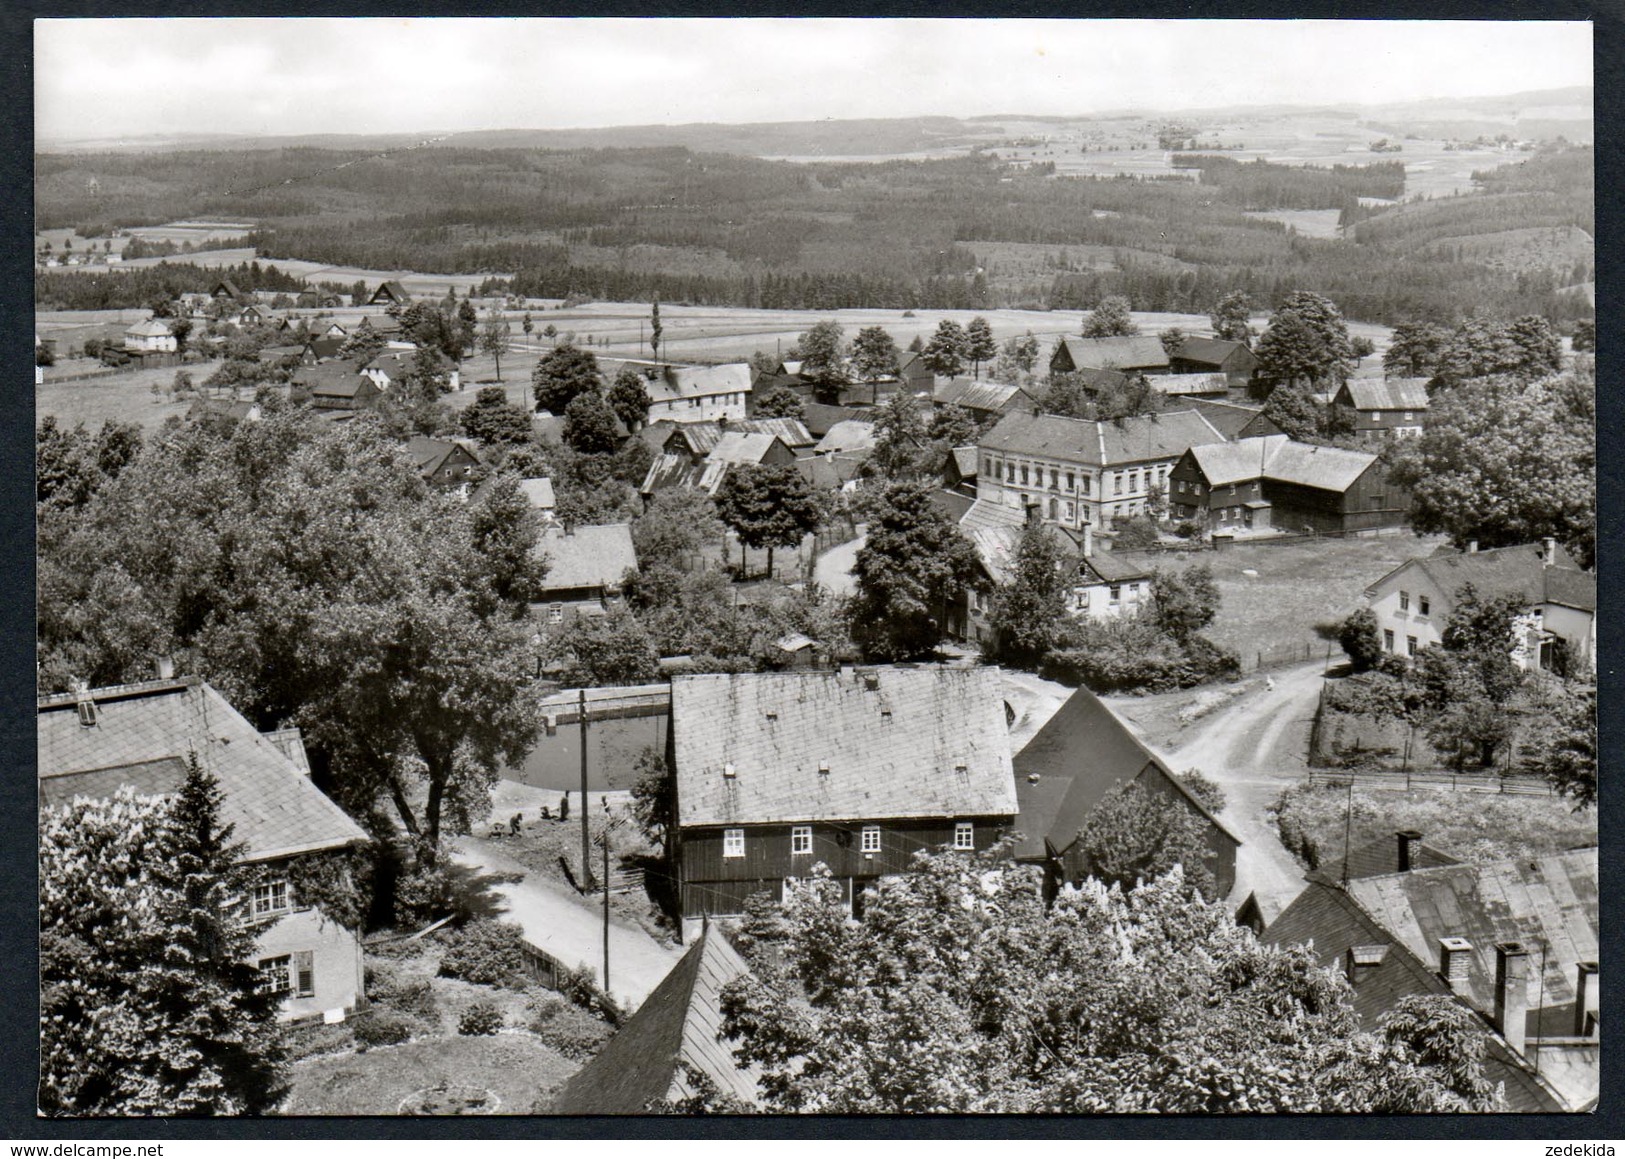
{"x": 122, "y": 691}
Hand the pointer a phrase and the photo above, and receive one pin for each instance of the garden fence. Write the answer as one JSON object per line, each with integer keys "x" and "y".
{"x": 1512, "y": 784}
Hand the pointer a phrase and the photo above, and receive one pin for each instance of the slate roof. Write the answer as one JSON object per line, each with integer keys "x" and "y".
{"x": 150, "y": 328}
{"x": 831, "y": 471}
{"x": 943, "y": 750}
{"x": 974, "y": 395}
{"x": 143, "y": 736}
{"x": 590, "y": 556}
{"x": 1399, "y": 394}
{"x": 680, "y": 382}
{"x": 989, "y": 513}
{"x": 678, "y": 1023}
{"x": 1135, "y": 440}
{"x": 1333, "y": 922}
{"x": 1112, "y": 568}
{"x": 1188, "y": 383}
{"x": 430, "y": 454}
{"x": 1214, "y": 351}
{"x": 1507, "y": 570}
{"x": 1381, "y": 856}
{"x": 1086, "y": 744}
{"x": 848, "y": 435}
{"x": 1134, "y": 352}
{"x": 742, "y": 447}
{"x": 1549, "y": 901}
{"x": 1279, "y": 458}
{"x": 1228, "y": 418}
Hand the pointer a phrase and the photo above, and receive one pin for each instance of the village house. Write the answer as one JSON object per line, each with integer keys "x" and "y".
{"x": 392, "y": 366}
{"x": 323, "y": 349}
{"x": 1081, "y": 471}
{"x": 688, "y": 394}
{"x": 677, "y": 1030}
{"x": 1385, "y": 408}
{"x": 1233, "y": 420}
{"x": 150, "y": 336}
{"x": 1081, "y": 755}
{"x": 94, "y": 742}
{"x": 987, "y": 402}
{"x": 586, "y": 567}
{"x": 449, "y": 464}
{"x": 959, "y": 467}
{"x": 1557, "y": 632}
{"x": 1275, "y": 484}
{"x": 700, "y": 454}
{"x": 390, "y": 293}
{"x": 1136, "y": 354}
{"x": 336, "y": 387}
{"x": 1188, "y": 386}
{"x": 227, "y": 291}
{"x": 820, "y": 418}
{"x": 848, "y": 436}
{"x": 837, "y": 471}
{"x": 235, "y": 410}
{"x": 855, "y": 769}
{"x": 1221, "y": 356}
{"x": 1515, "y": 941}
{"x": 738, "y": 449}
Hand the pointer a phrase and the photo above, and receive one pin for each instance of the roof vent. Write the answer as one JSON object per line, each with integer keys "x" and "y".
{"x": 772, "y": 714}
{"x": 728, "y": 770}
{"x": 823, "y": 768}
{"x": 1033, "y": 778}
{"x": 871, "y": 681}
{"x": 885, "y": 714}
{"x": 960, "y": 767}
{"x": 87, "y": 706}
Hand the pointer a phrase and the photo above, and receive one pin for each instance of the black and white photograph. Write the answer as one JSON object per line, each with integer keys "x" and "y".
{"x": 815, "y": 567}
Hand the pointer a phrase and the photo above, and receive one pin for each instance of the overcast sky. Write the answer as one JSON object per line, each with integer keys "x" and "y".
{"x": 98, "y": 79}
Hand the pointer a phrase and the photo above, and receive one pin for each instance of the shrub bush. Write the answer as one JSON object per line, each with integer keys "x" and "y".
{"x": 382, "y": 1028}
{"x": 481, "y": 1018}
{"x": 1205, "y": 789}
{"x": 320, "y": 1038}
{"x": 1189, "y": 530}
{"x": 484, "y": 951}
{"x": 388, "y": 987}
{"x": 581, "y": 987}
{"x": 568, "y": 1029}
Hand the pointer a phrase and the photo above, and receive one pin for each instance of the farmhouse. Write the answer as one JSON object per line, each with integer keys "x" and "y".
{"x": 848, "y": 435}
{"x": 741, "y": 448}
{"x": 1233, "y": 420}
{"x": 986, "y": 401}
{"x": 1558, "y": 631}
{"x": 323, "y": 349}
{"x": 586, "y": 567}
{"x": 1141, "y": 354}
{"x": 1259, "y": 484}
{"x": 1083, "y": 754}
{"x": 1221, "y": 356}
{"x": 227, "y": 291}
{"x": 94, "y": 742}
{"x": 1084, "y": 472}
{"x": 150, "y": 336}
{"x": 444, "y": 463}
{"x": 1385, "y": 408}
{"x": 1514, "y": 941}
{"x": 390, "y": 293}
{"x": 1185, "y": 386}
{"x": 855, "y": 770}
{"x": 676, "y": 1030}
{"x": 688, "y": 394}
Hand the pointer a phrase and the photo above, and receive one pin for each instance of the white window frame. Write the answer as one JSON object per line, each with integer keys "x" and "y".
{"x": 1404, "y": 601}
{"x": 964, "y": 835}
{"x": 800, "y": 840}
{"x": 1423, "y": 606}
{"x": 302, "y": 974}
{"x": 271, "y": 897}
{"x": 276, "y": 975}
{"x": 733, "y": 843}
{"x": 869, "y": 839}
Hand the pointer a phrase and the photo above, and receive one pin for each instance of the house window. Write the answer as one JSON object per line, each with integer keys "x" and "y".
{"x": 1410, "y": 645}
{"x": 1054, "y": 508}
{"x": 1054, "y": 479}
{"x": 1133, "y": 482}
{"x": 304, "y": 974}
{"x": 733, "y": 843}
{"x": 270, "y": 898}
{"x": 1117, "y": 593}
{"x": 1083, "y": 600}
{"x": 800, "y": 839}
{"x": 870, "y": 842}
{"x": 1071, "y": 481}
{"x": 1387, "y": 639}
{"x": 555, "y": 614}
{"x": 1134, "y": 591}
{"x": 275, "y": 975}
{"x": 1024, "y": 475}
{"x": 1410, "y": 416}
{"x": 1404, "y": 601}
{"x": 1117, "y": 484}
{"x": 1422, "y": 605}
{"x": 1009, "y": 472}
{"x": 964, "y": 835}
{"x": 1182, "y": 488}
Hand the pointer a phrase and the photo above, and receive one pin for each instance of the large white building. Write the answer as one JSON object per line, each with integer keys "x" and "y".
{"x": 1083, "y": 472}
{"x": 688, "y": 394}
{"x": 152, "y": 336}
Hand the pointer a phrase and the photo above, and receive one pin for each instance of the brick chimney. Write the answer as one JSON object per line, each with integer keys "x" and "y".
{"x": 1548, "y": 551}
{"x": 1512, "y": 993}
{"x": 1088, "y": 541}
{"x": 1455, "y": 956}
{"x": 1587, "y": 992}
{"x": 1410, "y": 842}
{"x": 166, "y": 668}
{"x": 1472, "y": 547}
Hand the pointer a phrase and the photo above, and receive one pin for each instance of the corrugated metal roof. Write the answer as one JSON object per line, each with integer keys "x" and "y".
{"x": 925, "y": 742}
{"x": 143, "y": 732}
{"x": 974, "y": 395}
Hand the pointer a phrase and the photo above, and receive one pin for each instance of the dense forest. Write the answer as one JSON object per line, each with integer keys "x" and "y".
{"x": 721, "y": 229}
{"x": 1262, "y": 185}
{"x": 122, "y": 289}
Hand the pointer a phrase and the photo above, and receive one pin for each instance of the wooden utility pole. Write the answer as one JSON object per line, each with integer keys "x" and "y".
{"x": 586, "y": 838}
{"x": 606, "y": 904}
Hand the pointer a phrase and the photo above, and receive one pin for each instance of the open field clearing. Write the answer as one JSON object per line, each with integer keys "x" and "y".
{"x": 1309, "y": 222}
{"x": 1294, "y": 586}
{"x": 124, "y": 398}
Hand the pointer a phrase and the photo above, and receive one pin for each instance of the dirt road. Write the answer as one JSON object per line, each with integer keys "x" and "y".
{"x": 1255, "y": 747}
{"x": 833, "y": 571}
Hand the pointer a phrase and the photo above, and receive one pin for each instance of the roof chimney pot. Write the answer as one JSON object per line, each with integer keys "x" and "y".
{"x": 1472, "y": 547}
{"x": 1410, "y": 841}
{"x": 1512, "y": 993}
{"x": 1586, "y": 994}
{"x": 1455, "y": 956}
{"x": 1548, "y": 551}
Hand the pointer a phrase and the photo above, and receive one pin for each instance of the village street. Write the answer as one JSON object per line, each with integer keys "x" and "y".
{"x": 1255, "y": 746}
{"x": 833, "y": 571}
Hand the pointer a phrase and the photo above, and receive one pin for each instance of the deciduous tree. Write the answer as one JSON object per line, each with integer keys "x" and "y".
{"x": 1184, "y": 602}
{"x": 494, "y": 335}
{"x": 909, "y": 571}
{"x": 494, "y": 421}
{"x": 1110, "y": 319}
{"x": 629, "y": 398}
{"x": 767, "y": 507}
{"x": 781, "y": 403}
{"x": 874, "y": 354}
{"x": 821, "y": 355}
{"x": 979, "y": 344}
{"x": 1030, "y": 613}
{"x": 589, "y": 425}
{"x": 1231, "y": 318}
{"x": 561, "y": 374}
{"x": 1307, "y": 342}
{"x": 945, "y": 353}
{"x": 900, "y": 437}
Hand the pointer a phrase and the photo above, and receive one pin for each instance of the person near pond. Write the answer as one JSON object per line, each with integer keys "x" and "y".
{"x": 564, "y": 807}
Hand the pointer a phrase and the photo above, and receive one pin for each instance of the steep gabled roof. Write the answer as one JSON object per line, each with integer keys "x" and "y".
{"x": 743, "y": 447}
{"x": 1279, "y": 458}
{"x": 1214, "y": 351}
{"x": 990, "y": 513}
{"x": 974, "y": 395}
{"x": 150, "y": 328}
{"x": 1113, "y": 568}
{"x": 590, "y": 556}
{"x": 929, "y": 741}
{"x": 1086, "y": 743}
{"x": 1228, "y": 418}
{"x": 1399, "y": 394}
{"x": 793, "y": 433}
{"x": 997, "y": 546}
{"x": 951, "y": 503}
{"x": 1136, "y": 352}
{"x": 1381, "y": 856}
{"x": 831, "y": 471}
{"x": 430, "y": 454}
{"x": 143, "y": 735}
{"x": 821, "y": 417}
{"x": 677, "y": 1024}
{"x": 848, "y": 435}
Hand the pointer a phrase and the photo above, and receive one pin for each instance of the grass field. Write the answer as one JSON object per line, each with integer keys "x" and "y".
{"x": 517, "y": 1066}
{"x": 1294, "y": 587}
{"x": 121, "y": 397}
